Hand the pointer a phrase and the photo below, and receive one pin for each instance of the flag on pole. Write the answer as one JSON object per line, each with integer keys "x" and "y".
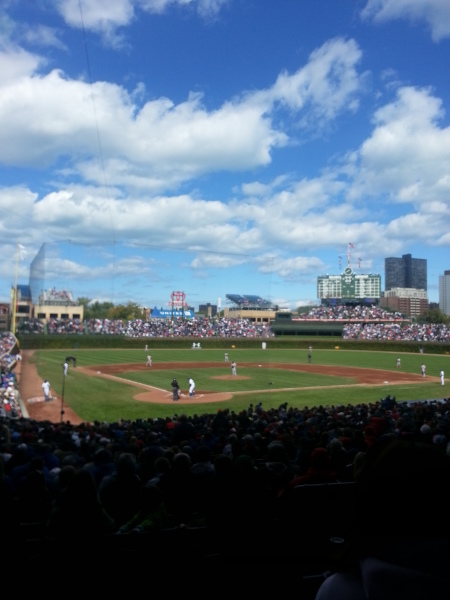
{"x": 359, "y": 262}
{"x": 22, "y": 252}
{"x": 351, "y": 245}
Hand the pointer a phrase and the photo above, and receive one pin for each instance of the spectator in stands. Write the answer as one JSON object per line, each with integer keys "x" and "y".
{"x": 203, "y": 476}
{"x": 79, "y": 517}
{"x": 277, "y": 469}
{"x": 151, "y": 515}
{"x": 407, "y": 558}
{"x": 162, "y": 466}
{"x": 120, "y": 492}
{"x": 9, "y": 513}
{"x": 100, "y": 465}
{"x": 184, "y": 430}
{"x": 178, "y": 489}
{"x": 250, "y": 501}
{"x": 33, "y": 494}
{"x": 320, "y": 470}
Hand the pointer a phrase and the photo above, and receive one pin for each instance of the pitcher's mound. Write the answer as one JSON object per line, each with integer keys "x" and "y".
{"x": 161, "y": 397}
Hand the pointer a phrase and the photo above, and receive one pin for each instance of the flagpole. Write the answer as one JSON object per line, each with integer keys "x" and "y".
{"x": 349, "y": 245}
{"x": 13, "y": 328}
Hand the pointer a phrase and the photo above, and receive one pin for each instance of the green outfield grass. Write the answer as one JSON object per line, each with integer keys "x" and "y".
{"x": 99, "y": 399}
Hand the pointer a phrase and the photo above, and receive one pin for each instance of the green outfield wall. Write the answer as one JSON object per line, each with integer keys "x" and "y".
{"x": 72, "y": 342}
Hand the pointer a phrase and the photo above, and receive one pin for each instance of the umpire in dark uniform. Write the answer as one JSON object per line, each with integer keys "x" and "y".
{"x": 175, "y": 390}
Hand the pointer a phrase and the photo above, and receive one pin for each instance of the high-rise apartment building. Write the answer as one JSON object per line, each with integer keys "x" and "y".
{"x": 444, "y": 293}
{"x": 405, "y": 272}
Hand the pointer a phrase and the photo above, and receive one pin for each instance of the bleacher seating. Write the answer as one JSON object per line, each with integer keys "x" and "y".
{"x": 250, "y": 301}
{"x": 330, "y": 508}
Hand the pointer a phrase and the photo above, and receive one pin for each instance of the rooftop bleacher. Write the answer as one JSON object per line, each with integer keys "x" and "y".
{"x": 250, "y": 301}
{"x": 56, "y": 297}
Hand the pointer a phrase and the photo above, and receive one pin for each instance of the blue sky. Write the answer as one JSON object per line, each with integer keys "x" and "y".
{"x": 222, "y": 146}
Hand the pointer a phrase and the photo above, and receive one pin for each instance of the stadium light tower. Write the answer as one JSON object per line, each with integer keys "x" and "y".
{"x": 62, "y": 394}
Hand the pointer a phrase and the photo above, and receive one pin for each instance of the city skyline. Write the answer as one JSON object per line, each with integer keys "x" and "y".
{"x": 404, "y": 272}
{"x": 216, "y": 146}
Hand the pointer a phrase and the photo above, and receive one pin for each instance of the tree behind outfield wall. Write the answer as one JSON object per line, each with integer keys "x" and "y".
{"x": 107, "y": 310}
{"x": 95, "y": 310}
{"x": 434, "y": 315}
{"x": 126, "y": 312}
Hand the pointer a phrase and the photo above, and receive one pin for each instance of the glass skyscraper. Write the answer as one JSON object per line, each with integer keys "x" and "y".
{"x": 405, "y": 272}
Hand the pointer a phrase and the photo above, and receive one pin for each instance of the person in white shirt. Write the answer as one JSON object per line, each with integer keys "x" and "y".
{"x": 442, "y": 377}
{"x": 66, "y": 368}
{"x": 191, "y": 387}
{"x": 46, "y": 388}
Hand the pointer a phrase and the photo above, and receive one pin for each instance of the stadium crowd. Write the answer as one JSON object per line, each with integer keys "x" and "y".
{"x": 178, "y": 327}
{"x": 361, "y": 323}
{"x": 426, "y": 332}
{"x": 359, "y": 312}
{"x": 9, "y": 402}
{"x": 234, "y": 476}
{"x": 181, "y": 327}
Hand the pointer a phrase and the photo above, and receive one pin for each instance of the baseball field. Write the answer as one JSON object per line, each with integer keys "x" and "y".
{"x": 113, "y": 384}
